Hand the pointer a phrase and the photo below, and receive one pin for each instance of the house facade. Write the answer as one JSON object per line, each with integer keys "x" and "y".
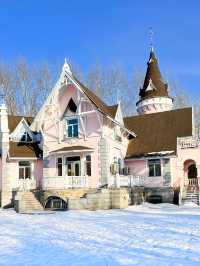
{"x": 76, "y": 142}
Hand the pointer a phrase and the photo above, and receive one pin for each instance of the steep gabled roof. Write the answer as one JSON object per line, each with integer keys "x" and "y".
{"x": 154, "y": 85}
{"x": 13, "y": 121}
{"x": 158, "y": 132}
{"x": 109, "y": 110}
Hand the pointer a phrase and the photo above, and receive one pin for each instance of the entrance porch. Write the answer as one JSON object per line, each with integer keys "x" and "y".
{"x": 71, "y": 168}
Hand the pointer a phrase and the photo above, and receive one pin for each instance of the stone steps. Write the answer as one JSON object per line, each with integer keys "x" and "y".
{"x": 192, "y": 197}
{"x": 27, "y": 202}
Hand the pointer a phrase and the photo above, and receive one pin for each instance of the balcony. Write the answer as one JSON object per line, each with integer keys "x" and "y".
{"x": 26, "y": 184}
{"x": 65, "y": 182}
{"x": 188, "y": 142}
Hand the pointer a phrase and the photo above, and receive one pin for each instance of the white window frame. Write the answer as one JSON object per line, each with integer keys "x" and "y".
{"x": 23, "y": 167}
{"x": 67, "y": 126}
{"x": 160, "y": 163}
{"x": 88, "y": 162}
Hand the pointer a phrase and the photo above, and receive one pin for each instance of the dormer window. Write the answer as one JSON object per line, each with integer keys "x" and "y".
{"x": 72, "y": 127}
{"x": 25, "y": 137}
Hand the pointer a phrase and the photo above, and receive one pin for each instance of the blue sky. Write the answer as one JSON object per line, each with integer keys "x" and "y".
{"x": 114, "y": 31}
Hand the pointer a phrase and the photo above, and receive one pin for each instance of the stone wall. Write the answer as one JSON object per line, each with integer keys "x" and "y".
{"x": 90, "y": 199}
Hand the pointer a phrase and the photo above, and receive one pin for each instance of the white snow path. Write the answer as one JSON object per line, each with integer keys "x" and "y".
{"x": 140, "y": 235}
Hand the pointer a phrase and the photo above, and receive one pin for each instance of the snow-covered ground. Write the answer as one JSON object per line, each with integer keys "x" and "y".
{"x": 140, "y": 235}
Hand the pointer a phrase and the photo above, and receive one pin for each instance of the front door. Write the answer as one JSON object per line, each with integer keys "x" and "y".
{"x": 73, "y": 165}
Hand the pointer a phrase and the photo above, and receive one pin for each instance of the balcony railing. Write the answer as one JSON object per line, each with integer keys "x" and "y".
{"x": 192, "y": 182}
{"x": 126, "y": 181}
{"x": 26, "y": 184}
{"x": 65, "y": 182}
{"x": 188, "y": 142}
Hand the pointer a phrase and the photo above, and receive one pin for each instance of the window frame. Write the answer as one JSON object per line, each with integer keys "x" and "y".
{"x": 57, "y": 164}
{"x": 24, "y": 168}
{"x": 157, "y": 172}
{"x": 88, "y": 162}
{"x": 67, "y": 119}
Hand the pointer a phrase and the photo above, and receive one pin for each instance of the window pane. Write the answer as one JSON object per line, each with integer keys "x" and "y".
{"x": 77, "y": 168}
{"x": 69, "y": 131}
{"x": 157, "y": 169}
{"x": 21, "y": 173}
{"x": 88, "y": 168}
{"x": 59, "y": 166}
{"x": 75, "y": 131}
{"x": 59, "y": 160}
{"x": 24, "y": 163}
{"x": 88, "y": 158}
{"x": 151, "y": 170}
{"x": 72, "y": 121}
{"x": 27, "y": 172}
{"x": 73, "y": 159}
{"x": 69, "y": 169}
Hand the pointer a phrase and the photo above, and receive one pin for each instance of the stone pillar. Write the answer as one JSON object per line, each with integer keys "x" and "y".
{"x": 104, "y": 159}
{"x": 6, "y": 188}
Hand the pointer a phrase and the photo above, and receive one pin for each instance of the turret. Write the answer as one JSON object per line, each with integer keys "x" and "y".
{"x": 153, "y": 95}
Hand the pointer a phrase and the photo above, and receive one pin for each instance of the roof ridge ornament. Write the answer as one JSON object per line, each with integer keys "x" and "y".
{"x": 151, "y": 35}
{"x": 66, "y": 67}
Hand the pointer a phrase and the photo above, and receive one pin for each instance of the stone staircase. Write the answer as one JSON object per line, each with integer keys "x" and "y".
{"x": 192, "y": 195}
{"x": 26, "y": 202}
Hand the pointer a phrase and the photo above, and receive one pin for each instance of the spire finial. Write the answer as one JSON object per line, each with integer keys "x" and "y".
{"x": 151, "y": 35}
{"x": 66, "y": 67}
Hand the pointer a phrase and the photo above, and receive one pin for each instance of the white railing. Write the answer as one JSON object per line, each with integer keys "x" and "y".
{"x": 126, "y": 181}
{"x": 192, "y": 182}
{"x": 188, "y": 142}
{"x": 65, "y": 182}
{"x": 27, "y": 184}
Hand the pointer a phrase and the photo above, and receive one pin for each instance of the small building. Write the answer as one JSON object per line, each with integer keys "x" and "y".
{"x": 77, "y": 144}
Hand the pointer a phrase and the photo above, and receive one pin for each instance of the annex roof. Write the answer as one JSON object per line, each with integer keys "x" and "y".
{"x": 158, "y": 132}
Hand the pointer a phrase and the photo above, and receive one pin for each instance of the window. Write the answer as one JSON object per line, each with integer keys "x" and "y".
{"x": 154, "y": 167}
{"x": 24, "y": 170}
{"x": 73, "y": 166}
{"x": 26, "y": 137}
{"x": 88, "y": 165}
{"x": 72, "y": 128}
{"x": 59, "y": 166}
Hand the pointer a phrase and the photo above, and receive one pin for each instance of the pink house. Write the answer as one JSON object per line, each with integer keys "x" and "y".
{"x": 76, "y": 142}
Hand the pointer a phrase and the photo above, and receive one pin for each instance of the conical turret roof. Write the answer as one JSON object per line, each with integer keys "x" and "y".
{"x": 154, "y": 85}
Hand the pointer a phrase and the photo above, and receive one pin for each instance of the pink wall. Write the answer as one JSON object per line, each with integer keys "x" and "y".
{"x": 38, "y": 172}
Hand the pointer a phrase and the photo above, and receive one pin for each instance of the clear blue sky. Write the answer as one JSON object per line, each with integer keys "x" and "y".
{"x": 107, "y": 31}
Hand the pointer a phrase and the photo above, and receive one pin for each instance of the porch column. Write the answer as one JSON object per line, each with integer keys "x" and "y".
{"x": 82, "y": 157}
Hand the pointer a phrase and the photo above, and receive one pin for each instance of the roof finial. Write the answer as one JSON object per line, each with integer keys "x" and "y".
{"x": 151, "y": 35}
{"x": 66, "y": 67}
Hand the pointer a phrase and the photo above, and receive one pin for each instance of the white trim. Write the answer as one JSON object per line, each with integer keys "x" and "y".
{"x": 18, "y": 127}
{"x": 24, "y": 158}
{"x": 71, "y": 151}
{"x": 150, "y": 157}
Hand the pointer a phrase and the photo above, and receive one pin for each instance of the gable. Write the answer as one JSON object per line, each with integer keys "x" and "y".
{"x": 20, "y": 130}
{"x": 13, "y": 121}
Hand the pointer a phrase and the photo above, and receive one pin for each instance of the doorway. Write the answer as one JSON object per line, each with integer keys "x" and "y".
{"x": 73, "y": 166}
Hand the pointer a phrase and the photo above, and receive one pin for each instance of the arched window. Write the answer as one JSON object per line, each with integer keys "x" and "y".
{"x": 24, "y": 170}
